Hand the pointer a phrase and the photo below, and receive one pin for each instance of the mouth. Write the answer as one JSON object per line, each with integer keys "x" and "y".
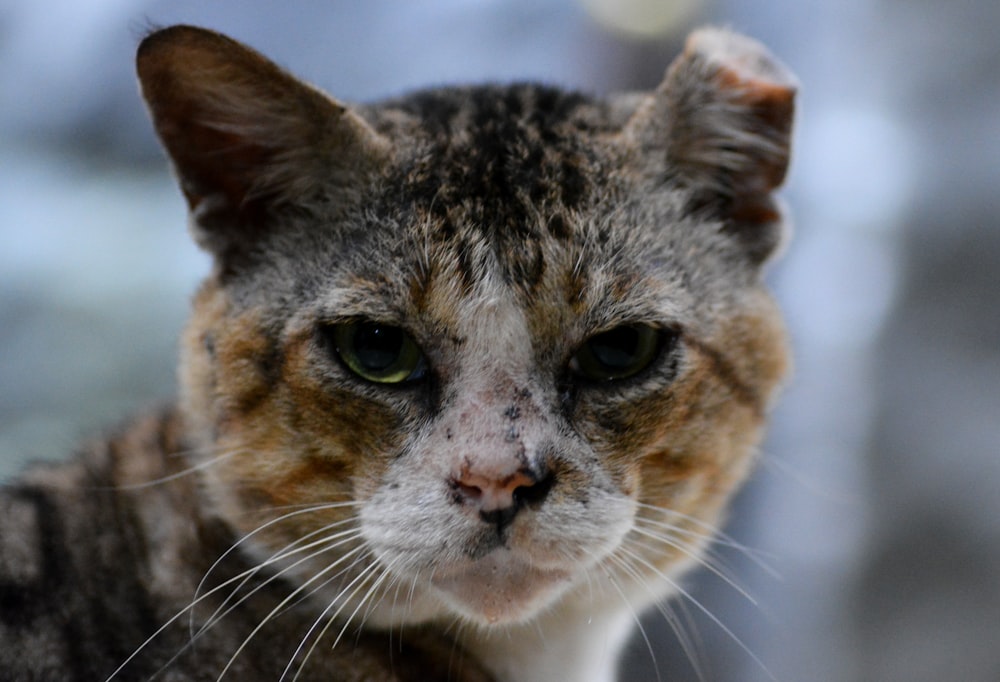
{"x": 499, "y": 588}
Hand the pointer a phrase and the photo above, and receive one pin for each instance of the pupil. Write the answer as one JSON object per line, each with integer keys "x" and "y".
{"x": 377, "y": 348}
{"x": 616, "y": 348}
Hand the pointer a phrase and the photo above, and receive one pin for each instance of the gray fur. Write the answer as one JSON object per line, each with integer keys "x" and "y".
{"x": 502, "y": 227}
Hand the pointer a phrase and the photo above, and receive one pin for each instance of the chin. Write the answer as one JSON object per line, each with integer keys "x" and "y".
{"x": 499, "y": 589}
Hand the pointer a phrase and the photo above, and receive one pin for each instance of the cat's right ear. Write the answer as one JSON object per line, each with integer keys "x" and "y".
{"x": 720, "y": 126}
{"x": 245, "y": 137}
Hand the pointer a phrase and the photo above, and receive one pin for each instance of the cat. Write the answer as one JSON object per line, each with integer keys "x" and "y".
{"x": 469, "y": 385}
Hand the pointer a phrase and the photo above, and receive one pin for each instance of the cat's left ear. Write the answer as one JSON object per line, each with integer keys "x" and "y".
{"x": 245, "y": 137}
{"x": 720, "y": 127}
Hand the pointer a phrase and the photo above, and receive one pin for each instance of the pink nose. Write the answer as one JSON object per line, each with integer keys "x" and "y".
{"x": 490, "y": 493}
{"x": 498, "y": 498}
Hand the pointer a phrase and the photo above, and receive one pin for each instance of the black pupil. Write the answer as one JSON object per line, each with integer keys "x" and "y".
{"x": 616, "y": 349}
{"x": 377, "y": 348}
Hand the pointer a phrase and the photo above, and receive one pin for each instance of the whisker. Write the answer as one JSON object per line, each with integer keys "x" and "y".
{"x": 712, "y": 536}
{"x": 701, "y": 607}
{"x": 332, "y": 542}
{"x": 215, "y": 617}
{"x": 710, "y": 530}
{"x": 690, "y": 649}
{"x": 700, "y": 559}
{"x": 232, "y": 548}
{"x": 200, "y": 466}
{"x": 635, "y": 616}
{"x": 256, "y": 511}
{"x": 413, "y": 588}
{"x": 320, "y": 586}
{"x": 373, "y": 604}
{"x": 820, "y": 488}
{"x": 395, "y": 606}
{"x": 281, "y": 605}
{"x": 363, "y": 575}
{"x": 194, "y": 602}
{"x": 386, "y": 573}
{"x": 454, "y": 644}
{"x": 709, "y": 558}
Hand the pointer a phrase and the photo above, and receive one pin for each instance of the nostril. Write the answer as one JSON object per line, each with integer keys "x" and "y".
{"x": 469, "y": 492}
{"x": 498, "y": 499}
{"x": 534, "y": 494}
{"x": 499, "y": 517}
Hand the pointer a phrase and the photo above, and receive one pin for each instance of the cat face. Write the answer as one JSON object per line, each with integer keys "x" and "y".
{"x": 477, "y": 352}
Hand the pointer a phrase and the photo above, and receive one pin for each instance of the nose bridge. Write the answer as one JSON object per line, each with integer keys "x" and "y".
{"x": 498, "y": 422}
{"x": 494, "y": 392}
{"x": 495, "y": 419}
{"x": 497, "y": 464}
{"x": 492, "y": 436}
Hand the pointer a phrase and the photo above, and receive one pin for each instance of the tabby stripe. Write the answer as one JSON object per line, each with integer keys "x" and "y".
{"x": 54, "y": 572}
{"x": 725, "y": 371}
{"x": 18, "y": 598}
{"x": 132, "y": 551}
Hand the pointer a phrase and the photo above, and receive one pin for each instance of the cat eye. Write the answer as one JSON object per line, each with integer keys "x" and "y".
{"x": 381, "y": 353}
{"x": 618, "y": 353}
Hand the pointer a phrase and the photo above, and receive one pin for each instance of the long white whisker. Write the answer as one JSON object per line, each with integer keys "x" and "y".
{"x": 372, "y": 589}
{"x": 701, "y": 607}
{"x": 303, "y": 596}
{"x": 708, "y": 565}
{"x": 635, "y": 616}
{"x": 257, "y": 511}
{"x": 327, "y": 543}
{"x": 194, "y": 602}
{"x": 393, "y": 610}
{"x": 711, "y": 535}
{"x": 711, "y": 559}
{"x": 212, "y": 461}
{"x": 365, "y": 572}
{"x": 687, "y": 644}
{"x": 281, "y": 605}
{"x": 394, "y": 580}
{"x": 284, "y": 517}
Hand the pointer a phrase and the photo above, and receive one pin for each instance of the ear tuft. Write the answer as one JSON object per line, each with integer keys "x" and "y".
{"x": 732, "y": 105}
{"x": 724, "y": 115}
{"x": 245, "y": 136}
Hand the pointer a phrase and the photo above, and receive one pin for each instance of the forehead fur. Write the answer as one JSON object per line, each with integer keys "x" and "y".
{"x": 523, "y": 188}
{"x": 502, "y": 150}
{"x": 532, "y": 179}
{"x": 497, "y": 171}
{"x": 506, "y": 180}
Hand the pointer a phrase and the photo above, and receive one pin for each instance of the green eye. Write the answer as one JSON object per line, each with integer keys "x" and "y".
{"x": 618, "y": 353}
{"x": 378, "y": 352}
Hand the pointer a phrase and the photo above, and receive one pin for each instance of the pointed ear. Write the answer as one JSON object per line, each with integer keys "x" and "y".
{"x": 723, "y": 115}
{"x": 245, "y": 137}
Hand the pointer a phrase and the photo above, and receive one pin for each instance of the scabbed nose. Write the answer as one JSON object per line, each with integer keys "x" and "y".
{"x": 499, "y": 498}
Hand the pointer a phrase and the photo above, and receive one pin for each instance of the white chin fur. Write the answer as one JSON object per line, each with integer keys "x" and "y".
{"x": 499, "y": 589}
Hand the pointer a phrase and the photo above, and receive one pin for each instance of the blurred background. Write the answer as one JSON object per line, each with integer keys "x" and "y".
{"x": 874, "y": 518}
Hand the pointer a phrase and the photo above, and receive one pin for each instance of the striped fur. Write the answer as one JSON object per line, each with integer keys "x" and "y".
{"x": 338, "y": 527}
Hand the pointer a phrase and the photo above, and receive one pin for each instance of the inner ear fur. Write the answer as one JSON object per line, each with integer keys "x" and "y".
{"x": 720, "y": 126}
{"x": 245, "y": 136}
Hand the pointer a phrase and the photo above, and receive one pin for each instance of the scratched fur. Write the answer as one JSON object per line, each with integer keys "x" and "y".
{"x": 291, "y": 516}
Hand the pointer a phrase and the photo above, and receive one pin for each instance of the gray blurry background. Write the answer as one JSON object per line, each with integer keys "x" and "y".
{"x": 874, "y": 517}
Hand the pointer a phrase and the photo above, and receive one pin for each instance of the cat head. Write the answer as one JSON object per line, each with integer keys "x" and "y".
{"x": 491, "y": 347}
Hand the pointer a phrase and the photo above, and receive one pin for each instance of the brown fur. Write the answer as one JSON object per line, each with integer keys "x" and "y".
{"x": 435, "y": 528}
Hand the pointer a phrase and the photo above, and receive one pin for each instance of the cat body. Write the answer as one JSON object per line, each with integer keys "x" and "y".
{"x": 469, "y": 386}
